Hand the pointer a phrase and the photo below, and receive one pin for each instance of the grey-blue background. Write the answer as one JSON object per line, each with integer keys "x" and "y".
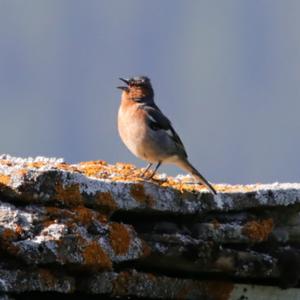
{"x": 227, "y": 73}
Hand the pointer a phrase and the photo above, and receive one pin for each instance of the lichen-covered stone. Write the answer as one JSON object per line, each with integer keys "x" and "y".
{"x": 41, "y": 280}
{"x": 50, "y": 235}
{"x": 121, "y": 188}
{"x": 87, "y": 227}
{"x": 146, "y": 285}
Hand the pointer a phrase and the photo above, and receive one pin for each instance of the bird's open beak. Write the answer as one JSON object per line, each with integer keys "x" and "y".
{"x": 123, "y": 88}
{"x": 125, "y": 80}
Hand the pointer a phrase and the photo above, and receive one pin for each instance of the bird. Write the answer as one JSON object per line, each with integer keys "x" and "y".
{"x": 148, "y": 133}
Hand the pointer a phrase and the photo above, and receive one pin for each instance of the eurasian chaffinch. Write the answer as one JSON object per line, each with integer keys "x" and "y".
{"x": 148, "y": 133}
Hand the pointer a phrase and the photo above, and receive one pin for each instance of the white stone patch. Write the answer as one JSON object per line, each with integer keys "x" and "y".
{"x": 48, "y": 236}
{"x": 17, "y": 164}
{"x": 87, "y": 185}
{"x": 7, "y": 215}
{"x": 187, "y": 177}
{"x": 50, "y": 233}
{"x": 4, "y": 285}
{"x": 185, "y": 239}
{"x": 283, "y": 193}
{"x": 10, "y": 217}
{"x": 261, "y": 292}
{"x": 219, "y": 200}
{"x": 162, "y": 176}
{"x": 19, "y": 160}
{"x": 160, "y": 248}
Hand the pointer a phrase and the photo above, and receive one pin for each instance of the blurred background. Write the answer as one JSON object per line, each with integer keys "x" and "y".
{"x": 227, "y": 73}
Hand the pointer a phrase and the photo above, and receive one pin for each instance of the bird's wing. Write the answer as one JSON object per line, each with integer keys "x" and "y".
{"x": 156, "y": 120}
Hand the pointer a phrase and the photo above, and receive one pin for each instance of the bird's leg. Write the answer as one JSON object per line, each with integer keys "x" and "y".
{"x": 154, "y": 171}
{"x": 147, "y": 169}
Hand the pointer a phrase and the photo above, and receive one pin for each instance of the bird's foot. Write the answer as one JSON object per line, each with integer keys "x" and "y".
{"x": 145, "y": 176}
{"x": 146, "y": 171}
{"x": 158, "y": 180}
{"x": 149, "y": 177}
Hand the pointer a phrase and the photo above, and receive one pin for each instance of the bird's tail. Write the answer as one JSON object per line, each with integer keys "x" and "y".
{"x": 186, "y": 165}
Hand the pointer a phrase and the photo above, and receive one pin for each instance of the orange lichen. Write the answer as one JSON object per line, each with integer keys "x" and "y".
{"x": 106, "y": 201}
{"x": 95, "y": 257}
{"x": 7, "y": 238}
{"x": 258, "y": 231}
{"x": 120, "y": 284}
{"x": 190, "y": 290}
{"x": 4, "y": 179}
{"x": 19, "y": 229}
{"x": 125, "y": 279}
{"x": 237, "y": 188}
{"x": 125, "y": 172}
{"x": 69, "y": 194}
{"x": 66, "y": 167}
{"x": 21, "y": 172}
{"x": 10, "y": 247}
{"x": 83, "y": 215}
{"x": 102, "y": 218}
{"x": 35, "y": 164}
{"x": 119, "y": 238}
{"x": 54, "y": 213}
{"x": 92, "y": 168}
{"x": 220, "y": 290}
{"x": 137, "y": 191}
{"x": 8, "y": 234}
{"x": 146, "y": 249}
{"x": 47, "y": 277}
{"x": 5, "y": 162}
{"x": 117, "y": 172}
{"x": 93, "y": 162}
{"x": 184, "y": 186}
{"x": 125, "y": 166}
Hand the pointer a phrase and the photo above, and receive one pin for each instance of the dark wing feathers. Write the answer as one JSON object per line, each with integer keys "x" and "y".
{"x": 158, "y": 121}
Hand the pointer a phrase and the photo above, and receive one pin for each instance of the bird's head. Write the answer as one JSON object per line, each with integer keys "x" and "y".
{"x": 137, "y": 88}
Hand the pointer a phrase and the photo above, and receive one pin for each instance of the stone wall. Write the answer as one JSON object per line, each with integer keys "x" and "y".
{"x": 97, "y": 229}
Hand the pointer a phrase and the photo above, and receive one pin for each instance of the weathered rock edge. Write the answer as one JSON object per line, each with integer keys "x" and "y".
{"x": 101, "y": 229}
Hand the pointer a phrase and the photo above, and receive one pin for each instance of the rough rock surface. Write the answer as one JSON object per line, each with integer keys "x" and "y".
{"x": 98, "y": 229}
